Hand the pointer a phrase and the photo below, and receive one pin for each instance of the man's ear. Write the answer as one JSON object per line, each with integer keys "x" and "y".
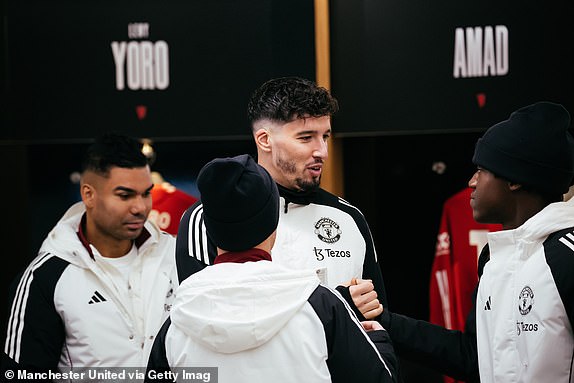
{"x": 514, "y": 187}
{"x": 263, "y": 139}
{"x": 88, "y": 194}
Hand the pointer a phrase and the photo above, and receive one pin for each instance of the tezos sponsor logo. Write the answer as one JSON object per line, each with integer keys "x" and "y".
{"x": 321, "y": 254}
{"x": 327, "y": 230}
{"x": 526, "y": 327}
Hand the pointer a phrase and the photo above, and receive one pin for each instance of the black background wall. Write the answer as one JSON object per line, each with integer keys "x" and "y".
{"x": 391, "y": 179}
{"x": 171, "y": 69}
{"x": 419, "y": 67}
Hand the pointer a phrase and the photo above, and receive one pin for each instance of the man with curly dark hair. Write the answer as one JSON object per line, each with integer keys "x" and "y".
{"x": 296, "y": 116}
{"x": 254, "y": 319}
{"x": 291, "y": 125}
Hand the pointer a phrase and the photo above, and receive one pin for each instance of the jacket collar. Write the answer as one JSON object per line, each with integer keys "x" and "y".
{"x": 296, "y": 196}
{"x": 251, "y": 255}
{"x": 145, "y": 234}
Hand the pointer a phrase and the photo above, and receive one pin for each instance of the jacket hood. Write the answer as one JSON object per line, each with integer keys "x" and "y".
{"x": 233, "y": 307}
{"x": 554, "y": 217}
{"x": 63, "y": 241}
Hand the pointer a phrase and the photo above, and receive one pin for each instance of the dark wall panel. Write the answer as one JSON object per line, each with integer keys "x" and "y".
{"x": 175, "y": 69}
{"x": 419, "y": 67}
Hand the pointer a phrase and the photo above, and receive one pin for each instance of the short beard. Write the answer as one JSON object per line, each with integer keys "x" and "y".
{"x": 306, "y": 186}
{"x": 288, "y": 167}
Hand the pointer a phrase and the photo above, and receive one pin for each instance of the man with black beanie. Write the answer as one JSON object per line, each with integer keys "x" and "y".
{"x": 525, "y": 301}
{"x": 520, "y": 329}
{"x": 253, "y": 319}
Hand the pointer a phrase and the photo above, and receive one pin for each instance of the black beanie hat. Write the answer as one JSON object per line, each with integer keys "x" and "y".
{"x": 240, "y": 202}
{"x": 533, "y": 147}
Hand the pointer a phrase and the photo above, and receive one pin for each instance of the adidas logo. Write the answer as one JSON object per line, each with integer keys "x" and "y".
{"x": 487, "y": 305}
{"x": 96, "y": 298}
{"x": 568, "y": 240}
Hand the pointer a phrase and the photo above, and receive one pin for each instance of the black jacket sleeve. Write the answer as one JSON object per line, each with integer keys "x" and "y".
{"x": 382, "y": 341}
{"x": 352, "y": 355}
{"x": 35, "y": 332}
{"x": 157, "y": 362}
{"x": 450, "y": 352}
{"x": 560, "y": 259}
{"x": 371, "y": 267}
{"x": 193, "y": 248}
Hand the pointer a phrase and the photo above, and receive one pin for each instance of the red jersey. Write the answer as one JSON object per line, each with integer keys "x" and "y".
{"x": 169, "y": 204}
{"x": 454, "y": 273}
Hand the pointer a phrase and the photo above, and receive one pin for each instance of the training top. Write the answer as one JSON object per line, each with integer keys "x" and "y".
{"x": 317, "y": 230}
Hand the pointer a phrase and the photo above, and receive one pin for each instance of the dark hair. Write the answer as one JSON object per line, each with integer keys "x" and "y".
{"x": 113, "y": 150}
{"x": 287, "y": 98}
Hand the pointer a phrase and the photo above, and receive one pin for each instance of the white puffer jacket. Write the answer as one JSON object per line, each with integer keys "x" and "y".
{"x": 525, "y": 303}
{"x": 67, "y": 312}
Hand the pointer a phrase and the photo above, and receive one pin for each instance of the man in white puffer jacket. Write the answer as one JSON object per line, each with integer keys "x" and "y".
{"x": 525, "y": 302}
{"x": 255, "y": 320}
{"x": 103, "y": 282}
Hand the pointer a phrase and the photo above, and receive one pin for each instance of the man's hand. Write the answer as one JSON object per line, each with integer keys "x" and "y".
{"x": 365, "y": 297}
{"x": 371, "y": 325}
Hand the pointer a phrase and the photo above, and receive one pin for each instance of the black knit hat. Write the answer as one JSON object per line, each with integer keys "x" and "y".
{"x": 533, "y": 147}
{"x": 240, "y": 202}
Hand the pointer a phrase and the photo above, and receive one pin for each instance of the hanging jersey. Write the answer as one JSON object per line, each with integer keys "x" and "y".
{"x": 454, "y": 272}
{"x": 169, "y": 204}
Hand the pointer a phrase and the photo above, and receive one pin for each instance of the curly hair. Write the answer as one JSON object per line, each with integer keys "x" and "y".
{"x": 288, "y": 98}
{"x": 113, "y": 150}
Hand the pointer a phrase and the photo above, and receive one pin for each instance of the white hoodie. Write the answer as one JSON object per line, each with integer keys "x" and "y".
{"x": 234, "y": 316}
{"x": 525, "y": 301}
{"x": 260, "y": 322}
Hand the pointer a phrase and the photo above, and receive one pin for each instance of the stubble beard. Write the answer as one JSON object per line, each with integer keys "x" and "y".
{"x": 289, "y": 168}
{"x": 308, "y": 185}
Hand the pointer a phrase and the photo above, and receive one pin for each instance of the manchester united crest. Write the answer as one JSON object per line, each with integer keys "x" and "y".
{"x": 327, "y": 230}
{"x": 525, "y": 300}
